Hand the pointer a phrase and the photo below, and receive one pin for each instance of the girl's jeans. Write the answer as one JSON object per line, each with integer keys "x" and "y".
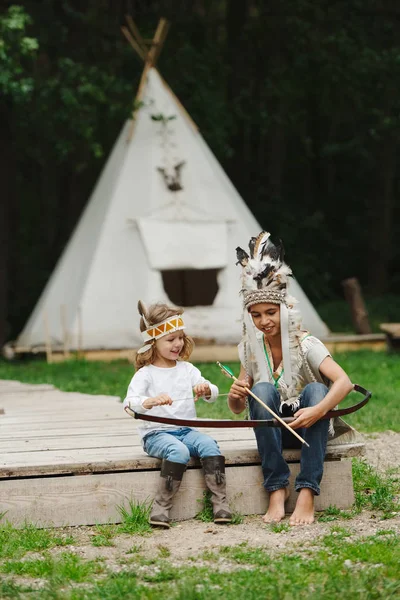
{"x": 178, "y": 445}
{"x": 269, "y": 439}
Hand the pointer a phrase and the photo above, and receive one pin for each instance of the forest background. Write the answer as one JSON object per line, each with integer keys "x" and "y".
{"x": 298, "y": 99}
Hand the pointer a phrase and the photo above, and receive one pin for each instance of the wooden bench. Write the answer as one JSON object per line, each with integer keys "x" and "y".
{"x": 72, "y": 459}
{"x": 392, "y": 332}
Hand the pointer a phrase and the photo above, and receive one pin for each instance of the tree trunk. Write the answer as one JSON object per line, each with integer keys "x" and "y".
{"x": 359, "y": 313}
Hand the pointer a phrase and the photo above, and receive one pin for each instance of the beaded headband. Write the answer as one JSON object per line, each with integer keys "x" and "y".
{"x": 159, "y": 330}
{"x": 260, "y": 296}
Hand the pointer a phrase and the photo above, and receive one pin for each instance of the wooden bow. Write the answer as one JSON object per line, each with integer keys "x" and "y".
{"x": 225, "y": 423}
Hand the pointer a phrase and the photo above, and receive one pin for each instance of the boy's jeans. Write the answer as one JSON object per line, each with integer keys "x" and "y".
{"x": 269, "y": 439}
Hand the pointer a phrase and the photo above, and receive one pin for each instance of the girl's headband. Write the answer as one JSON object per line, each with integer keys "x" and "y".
{"x": 155, "y": 332}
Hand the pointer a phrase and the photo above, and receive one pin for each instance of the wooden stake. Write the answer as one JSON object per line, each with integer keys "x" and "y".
{"x": 150, "y": 57}
{"x": 49, "y": 354}
{"x": 359, "y": 313}
{"x": 79, "y": 345}
{"x": 63, "y": 315}
{"x": 277, "y": 417}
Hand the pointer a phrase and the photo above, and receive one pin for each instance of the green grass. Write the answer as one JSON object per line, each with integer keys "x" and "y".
{"x": 332, "y": 513}
{"x": 375, "y": 491}
{"x": 8, "y": 589}
{"x": 135, "y": 518}
{"x": 104, "y": 535}
{"x": 376, "y": 371}
{"x": 363, "y": 568}
{"x": 279, "y": 527}
{"x": 206, "y": 513}
{"x": 111, "y": 379}
{"x": 14, "y": 543}
{"x": 65, "y": 567}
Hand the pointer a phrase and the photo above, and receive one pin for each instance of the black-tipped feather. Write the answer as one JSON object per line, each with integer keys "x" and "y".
{"x": 242, "y": 256}
{"x": 252, "y": 243}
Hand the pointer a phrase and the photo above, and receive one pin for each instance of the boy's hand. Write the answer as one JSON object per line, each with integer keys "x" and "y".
{"x": 237, "y": 391}
{"x": 306, "y": 417}
{"x": 201, "y": 390}
{"x": 159, "y": 400}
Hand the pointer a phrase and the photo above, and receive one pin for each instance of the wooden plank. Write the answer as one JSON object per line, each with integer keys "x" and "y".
{"x": 392, "y": 329}
{"x": 83, "y": 456}
{"x": 25, "y": 415}
{"x": 333, "y": 347}
{"x": 15, "y": 433}
{"x": 94, "y": 498}
{"x": 36, "y": 464}
{"x": 104, "y": 440}
{"x": 73, "y": 421}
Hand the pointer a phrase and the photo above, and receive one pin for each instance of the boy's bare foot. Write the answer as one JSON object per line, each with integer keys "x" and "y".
{"x": 304, "y": 510}
{"x": 276, "y": 506}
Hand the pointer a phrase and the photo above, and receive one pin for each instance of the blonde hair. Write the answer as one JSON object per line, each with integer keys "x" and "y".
{"x": 155, "y": 314}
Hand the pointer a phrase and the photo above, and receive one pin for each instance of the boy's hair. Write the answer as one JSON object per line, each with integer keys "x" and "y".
{"x": 156, "y": 313}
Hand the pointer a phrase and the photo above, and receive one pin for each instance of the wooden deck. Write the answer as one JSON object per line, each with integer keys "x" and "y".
{"x": 72, "y": 459}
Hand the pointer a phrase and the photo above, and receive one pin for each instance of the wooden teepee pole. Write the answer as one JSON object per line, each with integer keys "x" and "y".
{"x": 149, "y": 58}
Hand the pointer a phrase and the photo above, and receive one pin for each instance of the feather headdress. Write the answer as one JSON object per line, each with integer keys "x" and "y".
{"x": 264, "y": 274}
{"x": 265, "y": 278}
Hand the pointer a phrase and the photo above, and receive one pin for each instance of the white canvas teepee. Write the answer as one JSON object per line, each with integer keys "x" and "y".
{"x": 162, "y": 205}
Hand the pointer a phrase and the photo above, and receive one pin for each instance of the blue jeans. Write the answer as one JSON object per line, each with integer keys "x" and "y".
{"x": 178, "y": 445}
{"x": 269, "y": 439}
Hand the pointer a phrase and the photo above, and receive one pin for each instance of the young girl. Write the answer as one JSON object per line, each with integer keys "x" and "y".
{"x": 291, "y": 371}
{"x": 166, "y": 385}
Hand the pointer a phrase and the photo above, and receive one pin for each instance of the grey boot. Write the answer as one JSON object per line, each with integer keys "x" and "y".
{"x": 170, "y": 480}
{"x": 214, "y": 471}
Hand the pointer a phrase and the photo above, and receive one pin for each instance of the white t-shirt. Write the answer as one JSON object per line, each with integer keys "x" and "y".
{"x": 177, "y": 382}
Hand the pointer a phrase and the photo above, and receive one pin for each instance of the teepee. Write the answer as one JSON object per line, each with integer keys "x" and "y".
{"x": 161, "y": 225}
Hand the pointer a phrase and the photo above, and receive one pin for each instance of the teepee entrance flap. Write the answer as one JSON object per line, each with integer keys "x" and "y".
{"x": 183, "y": 245}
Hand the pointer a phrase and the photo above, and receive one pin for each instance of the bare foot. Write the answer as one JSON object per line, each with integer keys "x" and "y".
{"x": 304, "y": 510}
{"x": 276, "y": 506}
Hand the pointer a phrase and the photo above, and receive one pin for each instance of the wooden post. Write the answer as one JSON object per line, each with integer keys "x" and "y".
{"x": 359, "y": 313}
{"x": 49, "y": 354}
{"x": 63, "y": 315}
{"x": 392, "y": 332}
{"x": 80, "y": 333}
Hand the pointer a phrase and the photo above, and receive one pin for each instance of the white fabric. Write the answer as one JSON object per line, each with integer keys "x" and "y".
{"x": 184, "y": 245}
{"x": 314, "y": 352}
{"x": 89, "y": 301}
{"x": 287, "y": 373}
{"x": 251, "y": 332}
{"x": 177, "y": 382}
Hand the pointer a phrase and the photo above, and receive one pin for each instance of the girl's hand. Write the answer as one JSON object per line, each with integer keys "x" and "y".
{"x": 201, "y": 390}
{"x": 159, "y": 400}
{"x": 306, "y": 417}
